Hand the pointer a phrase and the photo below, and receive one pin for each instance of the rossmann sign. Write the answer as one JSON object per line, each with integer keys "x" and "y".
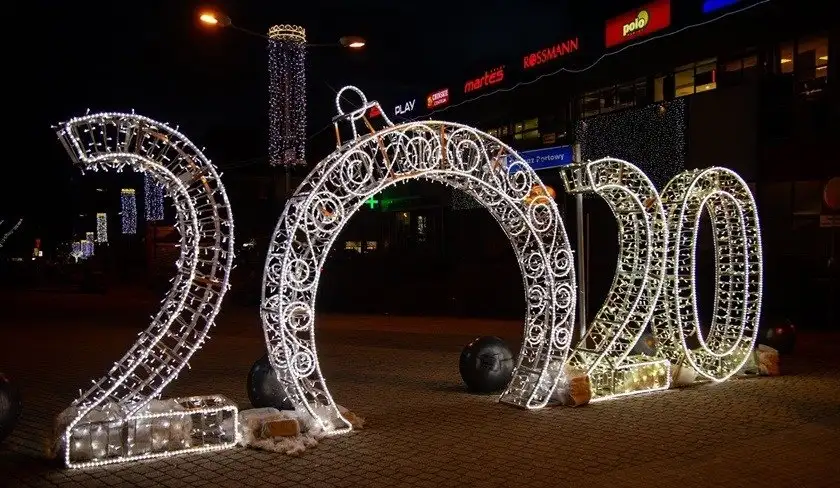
{"x": 640, "y": 22}
{"x": 550, "y": 53}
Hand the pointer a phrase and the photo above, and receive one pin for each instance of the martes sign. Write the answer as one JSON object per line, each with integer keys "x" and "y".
{"x": 492, "y": 77}
{"x": 641, "y": 22}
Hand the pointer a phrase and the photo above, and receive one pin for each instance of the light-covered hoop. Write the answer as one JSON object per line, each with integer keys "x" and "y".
{"x": 452, "y": 154}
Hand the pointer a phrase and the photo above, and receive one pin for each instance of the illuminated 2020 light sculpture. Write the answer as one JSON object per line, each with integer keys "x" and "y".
{"x": 119, "y": 418}
{"x": 655, "y": 278}
{"x": 287, "y": 94}
{"x": 452, "y": 154}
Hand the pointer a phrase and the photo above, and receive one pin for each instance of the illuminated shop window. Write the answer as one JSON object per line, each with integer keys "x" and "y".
{"x": 370, "y": 246}
{"x": 353, "y": 246}
{"x": 786, "y": 58}
{"x": 613, "y": 98}
{"x": 493, "y": 132}
{"x": 695, "y": 78}
{"x": 737, "y": 69}
{"x": 659, "y": 89}
{"x": 590, "y": 104}
{"x": 811, "y": 60}
{"x": 527, "y": 130}
{"x": 404, "y": 218}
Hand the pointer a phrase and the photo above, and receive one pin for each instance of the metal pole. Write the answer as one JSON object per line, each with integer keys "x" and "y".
{"x": 581, "y": 243}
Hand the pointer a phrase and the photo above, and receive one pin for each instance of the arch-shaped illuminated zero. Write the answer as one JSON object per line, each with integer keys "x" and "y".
{"x": 448, "y": 153}
{"x": 738, "y": 273}
{"x": 119, "y": 399}
{"x": 605, "y": 352}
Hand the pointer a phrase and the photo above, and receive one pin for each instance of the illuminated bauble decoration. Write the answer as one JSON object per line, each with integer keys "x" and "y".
{"x": 264, "y": 389}
{"x": 540, "y": 193}
{"x": 778, "y": 333}
{"x": 486, "y": 365}
{"x": 10, "y": 406}
{"x": 831, "y": 193}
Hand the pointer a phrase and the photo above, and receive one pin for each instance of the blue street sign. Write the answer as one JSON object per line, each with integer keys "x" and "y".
{"x": 545, "y": 158}
{"x": 712, "y": 5}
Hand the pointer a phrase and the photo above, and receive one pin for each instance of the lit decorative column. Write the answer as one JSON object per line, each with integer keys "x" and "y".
{"x": 128, "y": 200}
{"x": 287, "y": 96}
{"x": 154, "y": 199}
{"x": 101, "y": 227}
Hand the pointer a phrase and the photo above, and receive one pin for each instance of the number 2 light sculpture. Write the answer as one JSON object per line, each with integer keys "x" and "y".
{"x": 119, "y": 418}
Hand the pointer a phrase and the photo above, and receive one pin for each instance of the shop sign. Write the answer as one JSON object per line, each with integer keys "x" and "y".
{"x": 438, "y": 98}
{"x": 641, "y": 22}
{"x": 405, "y": 108}
{"x": 550, "y": 53}
{"x": 492, "y": 77}
{"x": 545, "y": 158}
{"x": 829, "y": 220}
{"x": 710, "y": 6}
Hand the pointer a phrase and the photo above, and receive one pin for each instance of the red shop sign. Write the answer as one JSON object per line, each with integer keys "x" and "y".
{"x": 438, "y": 98}
{"x": 492, "y": 77}
{"x": 641, "y": 22}
{"x": 550, "y": 53}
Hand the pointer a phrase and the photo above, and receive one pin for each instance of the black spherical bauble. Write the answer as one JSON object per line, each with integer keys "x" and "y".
{"x": 10, "y": 406}
{"x": 264, "y": 389}
{"x": 486, "y": 364}
{"x": 778, "y": 333}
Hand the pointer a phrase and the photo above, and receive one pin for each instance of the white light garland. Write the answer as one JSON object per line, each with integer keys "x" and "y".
{"x": 287, "y": 95}
{"x": 10, "y": 232}
{"x": 448, "y": 153}
{"x": 121, "y": 398}
{"x": 128, "y": 202}
{"x": 154, "y": 198}
{"x": 102, "y": 227}
{"x": 76, "y": 250}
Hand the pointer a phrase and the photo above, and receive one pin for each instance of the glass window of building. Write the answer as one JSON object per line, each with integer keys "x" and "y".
{"x": 626, "y": 95}
{"x": 493, "y": 132}
{"x": 684, "y": 80}
{"x": 641, "y": 92}
{"x": 811, "y": 58}
{"x": 527, "y": 129}
{"x": 705, "y": 75}
{"x": 786, "y": 58}
{"x": 353, "y": 246}
{"x": 659, "y": 89}
{"x": 591, "y": 104}
{"x": 370, "y": 246}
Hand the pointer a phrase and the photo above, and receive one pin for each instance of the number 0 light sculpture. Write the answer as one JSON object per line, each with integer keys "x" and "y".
{"x": 116, "y": 419}
{"x": 452, "y": 154}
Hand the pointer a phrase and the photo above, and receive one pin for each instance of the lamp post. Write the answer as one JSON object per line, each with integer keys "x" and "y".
{"x": 287, "y": 86}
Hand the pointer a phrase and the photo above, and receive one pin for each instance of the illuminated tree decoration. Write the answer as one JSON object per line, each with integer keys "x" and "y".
{"x": 447, "y": 153}
{"x": 101, "y": 227}
{"x": 128, "y": 202}
{"x": 652, "y": 137}
{"x": 87, "y": 248}
{"x": 76, "y": 250}
{"x": 154, "y": 198}
{"x": 605, "y": 353}
{"x": 119, "y": 418}
{"x": 287, "y": 94}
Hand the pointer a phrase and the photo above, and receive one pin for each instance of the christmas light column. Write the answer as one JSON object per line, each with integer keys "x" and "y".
{"x": 287, "y": 97}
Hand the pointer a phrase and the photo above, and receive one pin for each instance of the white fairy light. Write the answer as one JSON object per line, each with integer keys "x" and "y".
{"x": 76, "y": 250}
{"x": 113, "y": 141}
{"x": 154, "y": 198}
{"x": 128, "y": 202}
{"x": 605, "y": 352}
{"x": 10, "y": 232}
{"x": 101, "y": 227}
{"x": 287, "y": 94}
{"x": 452, "y": 154}
{"x": 88, "y": 244}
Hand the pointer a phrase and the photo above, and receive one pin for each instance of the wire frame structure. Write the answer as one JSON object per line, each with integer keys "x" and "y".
{"x": 733, "y": 330}
{"x": 117, "y": 406}
{"x": 372, "y": 160}
{"x": 605, "y": 353}
{"x": 9, "y": 232}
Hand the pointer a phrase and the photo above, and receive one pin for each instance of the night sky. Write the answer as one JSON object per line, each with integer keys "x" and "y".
{"x": 154, "y": 57}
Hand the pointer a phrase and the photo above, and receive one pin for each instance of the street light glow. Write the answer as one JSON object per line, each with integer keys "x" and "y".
{"x": 353, "y": 42}
{"x": 209, "y": 18}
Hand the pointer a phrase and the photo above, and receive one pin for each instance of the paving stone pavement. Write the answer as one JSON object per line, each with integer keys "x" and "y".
{"x": 423, "y": 430}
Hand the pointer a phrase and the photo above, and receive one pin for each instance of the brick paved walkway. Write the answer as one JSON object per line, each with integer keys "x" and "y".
{"x": 423, "y": 430}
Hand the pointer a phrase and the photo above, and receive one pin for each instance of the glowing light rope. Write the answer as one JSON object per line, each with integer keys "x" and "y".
{"x": 9, "y": 232}
{"x": 128, "y": 202}
{"x": 452, "y": 154}
{"x": 115, "y": 419}
{"x": 154, "y": 198}
{"x": 605, "y": 353}
{"x": 287, "y": 94}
